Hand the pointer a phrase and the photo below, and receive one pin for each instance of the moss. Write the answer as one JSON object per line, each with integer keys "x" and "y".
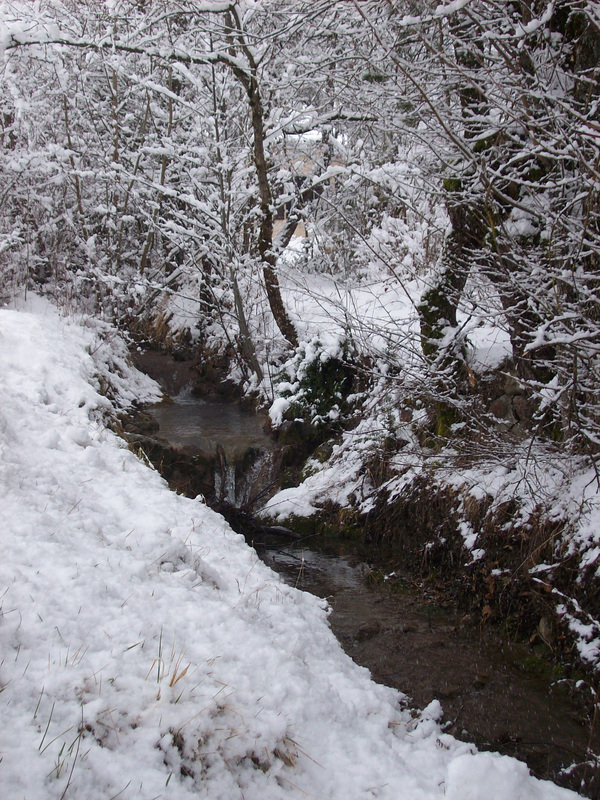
{"x": 375, "y": 77}
{"x": 289, "y": 478}
{"x": 434, "y": 310}
{"x": 303, "y": 526}
{"x": 437, "y": 311}
{"x": 532, "y": 664}
{"x": 378, "y": 578}
{"x": 453, "y": 184}
{"x": 323, "y": 452}
{"x": 485, "y": 144}
{"x": 331, "y": 530}
{"x": 446, "y": 417}
{"x": 308, "y": 470}
{"x": 438, "y": 430}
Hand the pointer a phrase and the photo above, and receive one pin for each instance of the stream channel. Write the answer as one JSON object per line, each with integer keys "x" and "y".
{"x": 494, "y": 693}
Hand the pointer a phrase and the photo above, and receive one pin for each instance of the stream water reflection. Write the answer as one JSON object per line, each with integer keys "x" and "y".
{"x": 188, "y": 421}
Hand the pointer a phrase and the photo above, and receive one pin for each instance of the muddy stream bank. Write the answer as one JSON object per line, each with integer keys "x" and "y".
{"x": 497, "y": 694}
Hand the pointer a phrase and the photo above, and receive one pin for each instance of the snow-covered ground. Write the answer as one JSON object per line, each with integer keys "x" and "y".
{"x": 146, "y": 652}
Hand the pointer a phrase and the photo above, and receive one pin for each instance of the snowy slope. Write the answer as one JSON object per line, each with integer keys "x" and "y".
{"x": 145, "y": 652}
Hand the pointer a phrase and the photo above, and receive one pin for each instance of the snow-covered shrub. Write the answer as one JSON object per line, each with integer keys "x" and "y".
{"x": 317, "y": 385}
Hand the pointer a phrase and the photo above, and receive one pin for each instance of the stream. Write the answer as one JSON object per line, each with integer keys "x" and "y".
{"x": 494, "y": 693}
{"x": 489, "y": 689}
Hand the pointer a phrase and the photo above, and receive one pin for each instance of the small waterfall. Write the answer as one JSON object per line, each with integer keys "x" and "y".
{"x": 227, "y": 445}
{"x": 224, "y": 475}
{"x": 258, "y": 481}
{"x": 229, "y": 486}
{"x": 245, "y": 483}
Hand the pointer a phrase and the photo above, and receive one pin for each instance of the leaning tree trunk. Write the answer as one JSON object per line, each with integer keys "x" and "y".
{"x": 247, "y": 77}
{"x": 265, "y": 233}
{"x": 438, "y": 306}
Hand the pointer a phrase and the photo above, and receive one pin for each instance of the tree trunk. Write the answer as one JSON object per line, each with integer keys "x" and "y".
{"x": 466, "y": 209}
{"x": 265, "y": 233}
{"x": 266, "y": 252}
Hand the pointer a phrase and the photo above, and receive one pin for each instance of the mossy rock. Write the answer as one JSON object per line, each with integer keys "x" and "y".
{"x": 446, "y": 417}
{"x": 323, "y": 452}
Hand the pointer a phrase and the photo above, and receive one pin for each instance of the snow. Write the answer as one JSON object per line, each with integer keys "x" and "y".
{"x": 532, "y": 473}
{"x": 145, "y": 650}
{"x": 278, "y": 409}
{"x": 491, "y": 775}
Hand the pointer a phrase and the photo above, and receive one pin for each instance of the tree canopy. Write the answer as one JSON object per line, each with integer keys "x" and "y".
{"x": 153, "y": 149}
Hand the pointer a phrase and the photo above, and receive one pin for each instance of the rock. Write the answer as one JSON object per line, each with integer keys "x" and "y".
{"x": 368, "y": 630}
{"x": 295, "y": 432}
{"x": 512, "y": 386}
{"x": 523, "y": 409}
{"x": 502, "y": 408}
{"x": 323, "y": 452}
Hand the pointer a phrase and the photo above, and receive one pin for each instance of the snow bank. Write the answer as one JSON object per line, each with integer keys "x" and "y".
{"x": 146, "y": 652}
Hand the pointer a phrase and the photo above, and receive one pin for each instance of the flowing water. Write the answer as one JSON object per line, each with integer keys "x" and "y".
{"x": 236, "y": 439}
{"x": 188, "y": 421}
{"x": 493, "y": 693}
{"x": 490, "y": 690}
